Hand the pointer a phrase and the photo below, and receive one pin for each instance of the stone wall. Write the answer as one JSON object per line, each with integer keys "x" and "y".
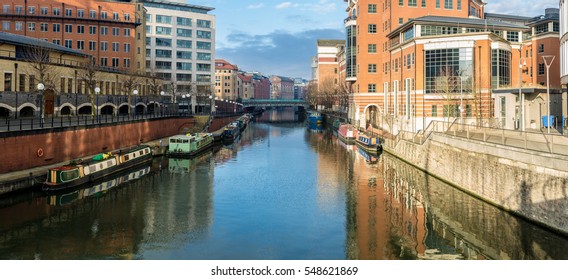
{"x": 530, "y": 184}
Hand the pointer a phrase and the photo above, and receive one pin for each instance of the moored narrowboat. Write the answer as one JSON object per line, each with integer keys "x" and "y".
{"x": 189, "y": 144}
{"x": 80, "y": 172}
{"x": 315, "y": 118}
{"x": 231, "y": 132}
{"x": 371, "y": 144}
{"x": 347, "y": 133}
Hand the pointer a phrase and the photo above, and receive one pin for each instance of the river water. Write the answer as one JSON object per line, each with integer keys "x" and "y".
{"x": 283, "y": 191}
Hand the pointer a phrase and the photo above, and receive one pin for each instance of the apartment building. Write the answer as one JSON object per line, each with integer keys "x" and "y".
{"x": 261, "y": 85}
{"x": 281, "y": 87}
{"x": 111, "y": 32}
{"x": 180, "y": 46}
{"x": 225, "y": 80}
{"x": 413, "y": 61}
{"x": 563, "y": 21}
{"x": 245, "y": 86}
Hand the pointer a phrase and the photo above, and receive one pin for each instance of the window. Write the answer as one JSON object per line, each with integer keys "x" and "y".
{"x": 81, "y": 13}
{"x": 434, "y": 110}
{"x": 43, "y": 27}
{"x": 459, "y": 5}
{"x": 500, "y": 68}
{"x": 115, "y": 15}
{"x": 42, "y": 11}
{"x": 203, "y": 34}
{"x": 401, "y": 2}
{"x": 372, "y": 68}
{"x": 183, "y": 66}
{"x": 126, "y": 32}
{"x": 183, "y": 21}
{"x": 104, "y": 61}
{"x": 31, "y": 10}
{"x": 540, "y": 48}
{"x": 443, "y": 70}
{"x": 80, "y": 29}
{"x": 372, "y": 28}
{"x": 203, "y": 45}
{"x": 203, "y": 56}
{"x": 92, "y": 30}
{"x": 372, "y": 48}
{"x": 148, "y": 18}
{"x": 69, "y": 43}
{"x": 115, "y": 31}
{"x": 412, "y": 3}
{"x": 68, "y": 28}
{"x": 183, "y": 54}
{"x": 19, "y": 10}
{"x": 92, "y": 45}
{"x": 184, "y": 44}
{"x": 56, "y": 41}
{"x": 512, "y": 36}
{"x": 163, "y": 30}
{"x": 448, "y": 4}
{"x": 372, "y": 8}
{"x": 115, "y": 46}
{"x": 31, "y": 26}
{"x": 372, "y": 88}
{"x": 162, "y": 42}
{"x": 203, "y": 23}
{"x": 126, "y": 47}
{"x": 68, "y": 12}
{"x": 164, "y": 53}
{"x": 182, "y": 32}
{"x": 400, "y": 21}
{"x": 203, "y": 67}
{"x": 19, "y": 26}
{"x": 92, "y": 14}
{"x": 104, "y": 46}
{"x": 541, "y": 68}
{"x": 163, "y": 65}
{"x": 127, "y": 18}
{"x": 6, "y": 9}
{"x": 104, "y": 30}
{"x": 104, "y": 15}
{"x": 163, "y": 19}
{"x": 423, "y": 3}
{"x": 437, "y": 4}
{"x": 114, "y": 62}
{"x": 6, "y": 25}
{"x": 126, "y": 62}
{"x": 542, "y": 28}
{"x": 80, "y": 45}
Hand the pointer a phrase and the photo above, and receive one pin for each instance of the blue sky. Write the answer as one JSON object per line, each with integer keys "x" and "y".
{"x": 278, "y": 37}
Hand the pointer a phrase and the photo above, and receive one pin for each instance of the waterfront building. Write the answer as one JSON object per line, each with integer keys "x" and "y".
{"x": 110, "y": 32}
{"x": 69, "y": 82}
{"x": 300, "y": 88}
{"x": 261, "y": 85}
{"x": 563, "y": 30}
{"x": 326, "y": 73}
{"x": 245, "y": 87}
{"x": 180, "y": 47}
{"x": 225, "y": 80}
{"x": 281, "y": 87}
{"x": 411, "y": 62}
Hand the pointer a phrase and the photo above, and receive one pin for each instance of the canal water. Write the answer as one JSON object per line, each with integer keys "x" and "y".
{"x": 283, "y": 191}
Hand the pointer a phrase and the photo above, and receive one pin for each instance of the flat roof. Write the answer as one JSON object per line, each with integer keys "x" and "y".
{"x": 164, "y": 4}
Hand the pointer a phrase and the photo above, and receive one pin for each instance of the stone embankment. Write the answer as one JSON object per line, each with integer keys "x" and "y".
{"x": 531, "y": 184}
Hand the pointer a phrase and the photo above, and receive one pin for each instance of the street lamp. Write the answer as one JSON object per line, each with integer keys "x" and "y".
{"x": 135, "y": 93}
{"x": 162, "y": 93}
{"x": 522, "y": 63}
{"x": 211, "y": 104}
{"x": 97, "y": 91}
{"x": 40, "y": 88}
{"x": 548, "y": 59}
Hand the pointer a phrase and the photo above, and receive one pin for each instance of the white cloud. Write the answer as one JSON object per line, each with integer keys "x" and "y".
{"x": 285, "y": 5}
{"x": 520, "y": 7}
{"x": 255, "y": 6}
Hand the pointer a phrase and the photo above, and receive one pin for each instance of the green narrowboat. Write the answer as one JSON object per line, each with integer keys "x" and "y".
{"x": 189, "y": 144}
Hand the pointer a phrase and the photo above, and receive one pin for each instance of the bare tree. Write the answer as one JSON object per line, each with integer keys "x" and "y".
{"x": 42, "y": 67}
{"x": 89, "y": 74}
{"x": 130, "y": 81}
{"x": 447, "y": 85}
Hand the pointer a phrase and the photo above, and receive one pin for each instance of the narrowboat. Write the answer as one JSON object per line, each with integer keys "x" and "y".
{"x": 370, "y": 144}
{"x": 315, "y": 117}
{"x": 231, "y": 132}
{"x": 189, "y": 144}
{"x": 80, "y": 172}
{"x": 347, "y": 133}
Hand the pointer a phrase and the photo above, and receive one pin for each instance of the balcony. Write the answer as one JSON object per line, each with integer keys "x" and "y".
{"x": 349, "y": 21}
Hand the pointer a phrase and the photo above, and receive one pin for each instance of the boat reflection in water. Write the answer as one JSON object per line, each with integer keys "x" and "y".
{"x": 183, "y": 165}
{"x": 65, "y": 198}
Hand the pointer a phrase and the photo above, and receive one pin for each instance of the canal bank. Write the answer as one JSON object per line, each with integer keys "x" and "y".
{"x": 29, "y": 154}
{"x": 527, "y": 183}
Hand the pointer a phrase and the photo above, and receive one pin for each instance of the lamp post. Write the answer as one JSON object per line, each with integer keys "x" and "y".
{"x": 211, "y": 104}
{"x": 40, "y": 88}
{"x": 162, "y": 93}
{"x": 548, "y": 59}
{"x": 97, "y": 91}
{"x": 522, "y": 63}
{"x": 135, "y": 93}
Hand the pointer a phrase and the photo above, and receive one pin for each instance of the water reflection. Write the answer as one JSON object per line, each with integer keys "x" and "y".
{"x": 282, "y": 192}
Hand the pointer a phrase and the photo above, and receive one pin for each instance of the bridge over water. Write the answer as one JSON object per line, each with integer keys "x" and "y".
{"x": 275, "y": 103}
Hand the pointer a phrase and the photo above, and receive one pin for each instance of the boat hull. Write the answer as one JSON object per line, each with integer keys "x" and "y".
{"x": 192, "y": 153}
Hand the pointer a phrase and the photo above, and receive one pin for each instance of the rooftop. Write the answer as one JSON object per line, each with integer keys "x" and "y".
{"x": 19, "y": 40}
{"x": 330, "y": 43}
{"x": 177, "y": 6}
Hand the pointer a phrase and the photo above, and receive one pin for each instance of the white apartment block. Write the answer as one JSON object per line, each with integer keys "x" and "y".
{"x": 180, "y": 46}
